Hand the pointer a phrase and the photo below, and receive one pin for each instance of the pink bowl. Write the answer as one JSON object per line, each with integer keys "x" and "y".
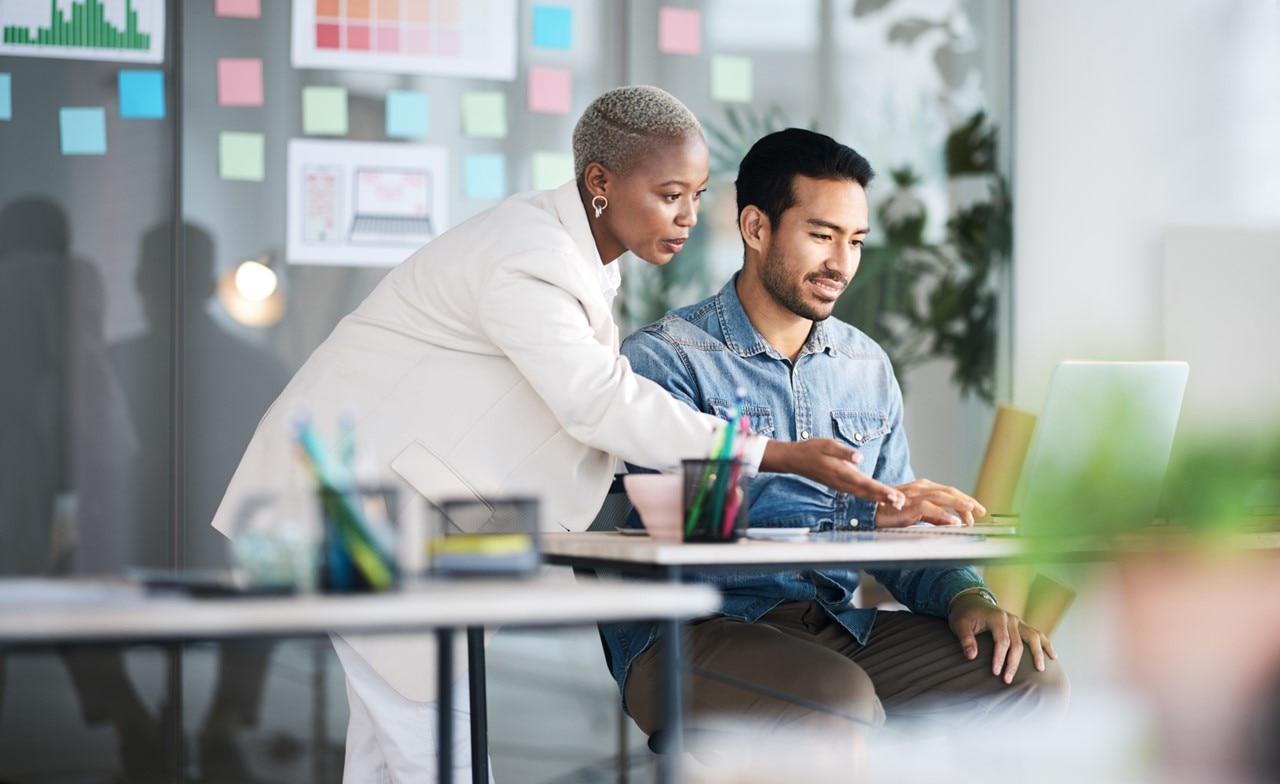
{"x": 659, "y": 498}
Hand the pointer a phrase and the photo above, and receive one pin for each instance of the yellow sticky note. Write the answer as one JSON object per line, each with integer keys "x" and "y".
{"x": 484, "y": 115}
{"x": 241, "y": 156}
{"x": 731, "y": 79}
{"x": 551, "y": 169}
{"x": 324, "y": 111}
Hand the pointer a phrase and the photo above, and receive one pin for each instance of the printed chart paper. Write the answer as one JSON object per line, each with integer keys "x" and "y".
{"x": 112, "y": 30}
{"x": 463, "y": 38}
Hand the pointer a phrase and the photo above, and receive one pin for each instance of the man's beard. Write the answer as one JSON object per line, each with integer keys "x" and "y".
{"x": 791, "y": 294}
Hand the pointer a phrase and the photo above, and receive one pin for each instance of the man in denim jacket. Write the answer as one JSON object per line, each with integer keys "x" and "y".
{"x": 956, "y": 657}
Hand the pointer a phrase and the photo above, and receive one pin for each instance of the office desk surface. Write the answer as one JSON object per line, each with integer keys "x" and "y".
{"x": 40, "y": 611}
{"x": 614, "y": 549}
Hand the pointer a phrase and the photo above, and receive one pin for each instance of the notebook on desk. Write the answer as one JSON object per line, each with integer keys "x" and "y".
{"x": 1098, "y": 456}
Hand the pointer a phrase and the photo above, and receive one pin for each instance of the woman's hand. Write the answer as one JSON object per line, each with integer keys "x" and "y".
{"x": 833, "y": 464}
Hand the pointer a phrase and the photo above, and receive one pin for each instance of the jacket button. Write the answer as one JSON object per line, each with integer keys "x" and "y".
{"x": 858, "y": 437}
{"x": 804, "y": 434}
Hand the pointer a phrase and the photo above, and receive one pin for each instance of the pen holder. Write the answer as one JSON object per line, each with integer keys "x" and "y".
{"x": 491, "y": 536}
{"x": 359, "y": 542}
{"x": 715, "y": 500}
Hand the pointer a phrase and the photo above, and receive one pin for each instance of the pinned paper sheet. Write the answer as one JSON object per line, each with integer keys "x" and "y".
{"x": 551, "y": 169}
{"x": 141, "y": 95}
{"x": 324, "y": 111}
{"x": 550, "y": 90}
{"x": 245, "y": 9}
{"x": 484, "y": 115}
{"x": 83, "y": 130}
{"x": 731, "y": 79}
{"x": 679, "y": 31}
{"x": 408, "y": 114}
{"x": 484, "y": 175}
{"x": 239, "y": 81}
{"x": 6, "y": 96}
{"x": 552, "y": 27}
{"x": 241, "y": 156}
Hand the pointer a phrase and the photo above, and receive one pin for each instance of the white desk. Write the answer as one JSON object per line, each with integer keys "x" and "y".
{"x": 44, "y": 612}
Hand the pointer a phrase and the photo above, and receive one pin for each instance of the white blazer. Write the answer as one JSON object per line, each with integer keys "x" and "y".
{"x": 486, "y": 364}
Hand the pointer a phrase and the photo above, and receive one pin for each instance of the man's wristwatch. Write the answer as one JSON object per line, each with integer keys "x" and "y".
{"x": 983, "y": 592}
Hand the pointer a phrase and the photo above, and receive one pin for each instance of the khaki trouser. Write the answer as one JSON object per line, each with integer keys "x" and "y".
{"x": 910, "y": 670}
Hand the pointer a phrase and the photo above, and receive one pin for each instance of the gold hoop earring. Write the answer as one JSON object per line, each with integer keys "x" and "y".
{"x": 600, "y": 203}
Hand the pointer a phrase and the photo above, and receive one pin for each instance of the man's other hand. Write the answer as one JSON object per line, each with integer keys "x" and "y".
{"x": 971, "y": 614}
{"x": 930, "y": 502}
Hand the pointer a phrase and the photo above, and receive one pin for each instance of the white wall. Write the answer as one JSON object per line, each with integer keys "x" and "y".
{"x": 1130, "y": 116}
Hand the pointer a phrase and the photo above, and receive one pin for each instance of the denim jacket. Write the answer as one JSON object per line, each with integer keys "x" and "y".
{"x": 841, "y": 386}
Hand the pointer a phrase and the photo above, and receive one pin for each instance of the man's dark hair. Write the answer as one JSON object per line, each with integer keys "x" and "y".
{"x": 766, "y": 174}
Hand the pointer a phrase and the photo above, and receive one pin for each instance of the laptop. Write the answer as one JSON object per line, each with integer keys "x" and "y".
{"x": 392, "y": 207}
{"x": 1099, "y": 453}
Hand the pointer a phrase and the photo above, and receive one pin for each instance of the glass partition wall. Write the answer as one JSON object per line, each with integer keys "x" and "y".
{"x": 134, "y": 370}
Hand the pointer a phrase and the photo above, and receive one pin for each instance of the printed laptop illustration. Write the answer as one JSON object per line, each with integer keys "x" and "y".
{"x": 391, "y": 207}
{"x": 1098, "y": 456}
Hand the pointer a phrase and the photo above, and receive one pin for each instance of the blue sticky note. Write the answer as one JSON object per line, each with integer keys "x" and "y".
{"x": 6, "y": 96}
{"x": 84, "y": 130}
{"x": 407, "y": 114}
{"x": 142, "y": 94}
{"x": 552, "y": 27}
{"x": 484, "y": 175}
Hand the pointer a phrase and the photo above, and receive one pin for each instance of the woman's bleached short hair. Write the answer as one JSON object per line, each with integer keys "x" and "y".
{"x": 622, "y": 122}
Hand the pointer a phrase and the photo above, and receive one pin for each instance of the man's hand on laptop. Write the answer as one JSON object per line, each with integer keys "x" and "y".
{"x": 930, "y": 502}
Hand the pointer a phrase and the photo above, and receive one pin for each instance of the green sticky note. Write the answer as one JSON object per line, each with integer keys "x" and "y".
{"x": 241, "y": 156}
{"x": 324, "y": 111}
{"x": 484, "y": 115}
{"x": 731, "y": 79}
{"x": 551, "y": 169}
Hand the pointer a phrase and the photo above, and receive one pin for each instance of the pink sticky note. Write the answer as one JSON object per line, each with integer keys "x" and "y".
{"x": 679, "y": 31}
{"x": 550, "y": 90}
{"x": 245, "y": 9}
{"x": 239, "y": 82}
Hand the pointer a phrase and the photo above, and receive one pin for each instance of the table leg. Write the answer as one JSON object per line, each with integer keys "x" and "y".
{"x": 444, "y": 752}
{"x": 479, "y": 706}
{"x": 673, "y": 719}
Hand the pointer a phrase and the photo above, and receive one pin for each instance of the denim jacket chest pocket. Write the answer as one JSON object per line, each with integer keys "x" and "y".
{"x": 863, "y": 431}
{"x": 761, "y": 417}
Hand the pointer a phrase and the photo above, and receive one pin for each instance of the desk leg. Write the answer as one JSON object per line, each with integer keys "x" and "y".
{"x": 479, "y": 706}
{"x": 673, "y": 719}
{"x": 444, "y": 752}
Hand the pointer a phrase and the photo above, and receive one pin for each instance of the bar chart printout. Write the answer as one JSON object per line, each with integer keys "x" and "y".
{"x": 114, "y": 30}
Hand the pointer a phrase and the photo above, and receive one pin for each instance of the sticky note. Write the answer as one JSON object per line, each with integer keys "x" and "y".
{"x": 241, "y": 156}
{"x": 551, "y": 169}
{"x": 84, "y": 130}
{"x": 6, "y": 96}
{"x": 550, "y": 90}
{"x": 484, "y": 115}
{"x": 552, "y": 27}
{"x": 324, "y": 111}
{"x": 246, "y": 9}
{"x": 484, "y": 175}
{"x": 141, "y": 94}
{"x": 239, "y": 81}
{"x": 407, "y": 114}
{"x": 679, "y": 31}
{"x": 731, "y": 79}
